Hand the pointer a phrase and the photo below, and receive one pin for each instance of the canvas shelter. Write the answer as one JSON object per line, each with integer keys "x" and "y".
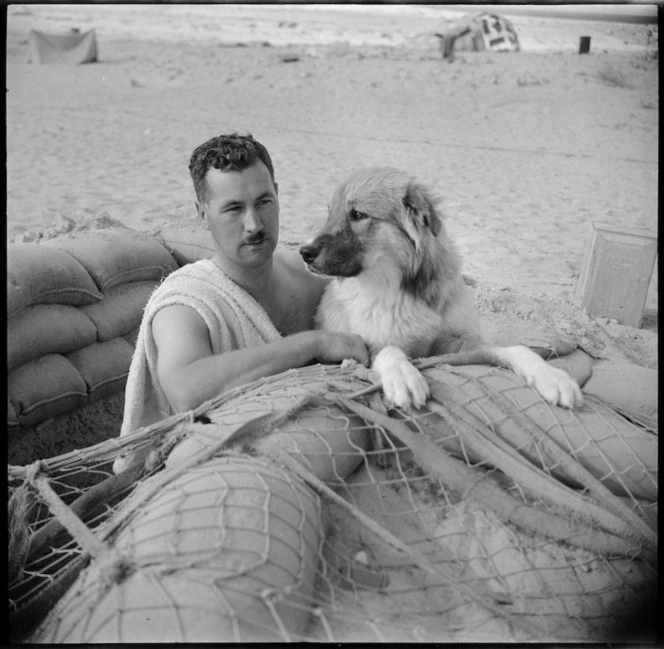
{"x": 478, "y": 32}
{"x": 72, "y": 48}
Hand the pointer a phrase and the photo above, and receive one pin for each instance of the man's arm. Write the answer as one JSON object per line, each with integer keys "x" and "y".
{"x": 190, "y": 373}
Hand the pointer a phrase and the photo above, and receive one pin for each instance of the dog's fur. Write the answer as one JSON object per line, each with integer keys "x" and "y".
{"x": 398, "y": 285}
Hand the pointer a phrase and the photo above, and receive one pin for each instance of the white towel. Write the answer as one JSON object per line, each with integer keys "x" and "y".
{"x": 233, "y": 317}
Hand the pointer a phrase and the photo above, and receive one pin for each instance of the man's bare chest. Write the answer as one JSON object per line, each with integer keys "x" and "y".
{"x": 290, "y": 312}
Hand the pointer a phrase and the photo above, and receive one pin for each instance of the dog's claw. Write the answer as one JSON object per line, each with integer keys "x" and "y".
{"x": 570, "y": 394}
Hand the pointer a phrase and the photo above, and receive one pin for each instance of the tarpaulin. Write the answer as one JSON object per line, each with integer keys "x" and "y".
{"x": 72, "y": 48}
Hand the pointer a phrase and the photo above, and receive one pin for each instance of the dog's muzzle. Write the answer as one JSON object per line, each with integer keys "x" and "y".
{"x": 309, "y": 253}
{"x": 336, "y": 256}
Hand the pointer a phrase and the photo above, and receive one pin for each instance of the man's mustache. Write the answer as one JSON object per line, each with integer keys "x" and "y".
{"x": 256, "y": 238}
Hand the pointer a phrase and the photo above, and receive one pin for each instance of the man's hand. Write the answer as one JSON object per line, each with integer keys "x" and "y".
{"x": 334, "y": 347}
{"x": 190, "y": 373}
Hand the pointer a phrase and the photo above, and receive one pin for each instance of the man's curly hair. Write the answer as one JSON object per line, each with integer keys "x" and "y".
{"x": 228, "y": 153}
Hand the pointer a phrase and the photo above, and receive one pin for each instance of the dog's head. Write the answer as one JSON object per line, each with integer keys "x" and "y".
{"x": 380, "y": 220}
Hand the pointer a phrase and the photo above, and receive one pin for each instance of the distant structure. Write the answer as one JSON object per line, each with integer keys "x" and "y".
{"x": 72, "y": 48}
{"x": 479, "y": 32}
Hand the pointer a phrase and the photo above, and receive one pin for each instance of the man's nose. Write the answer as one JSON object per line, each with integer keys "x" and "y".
{"x": 252, "y": 222}
{"x": 309, "y": 252}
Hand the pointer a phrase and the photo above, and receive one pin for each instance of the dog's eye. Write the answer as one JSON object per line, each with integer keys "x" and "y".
{"x": 356, "y": 215}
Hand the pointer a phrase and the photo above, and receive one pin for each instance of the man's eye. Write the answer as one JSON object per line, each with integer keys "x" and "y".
{"x": 356, "y": 215}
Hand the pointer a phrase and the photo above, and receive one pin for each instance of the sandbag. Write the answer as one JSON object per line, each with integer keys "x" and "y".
{"x": 45, "y": 388}
{"x": 186, "y": 244}
{"x": 619, "y": 454}
{"x": 47, "y": 329}
{"x": 13, "y": 423}
{"x": 578, "y": 365}
{"x": 121, "y": 310}
{"x": 227, "y": 551}
{"x": 117, "y": 256}
{"x": 103, "y": 366}
{"x": 631, "y": 388}
{"x": 132, "y": 336}
{"x": 325, "y": 440}
{"x": 37, "y": 274}
{"x": 200, "y": 551}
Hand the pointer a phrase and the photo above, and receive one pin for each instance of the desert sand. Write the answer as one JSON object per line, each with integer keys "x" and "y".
{"x": 526, "y": 149}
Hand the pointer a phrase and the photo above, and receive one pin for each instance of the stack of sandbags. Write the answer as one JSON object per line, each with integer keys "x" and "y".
{"x": 74, "y": 304}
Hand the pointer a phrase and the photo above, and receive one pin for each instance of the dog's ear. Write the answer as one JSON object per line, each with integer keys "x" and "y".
{"x": 421, "y": 209}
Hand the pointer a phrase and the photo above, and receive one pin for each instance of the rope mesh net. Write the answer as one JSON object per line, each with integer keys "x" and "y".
{"x": 298, "y": 508}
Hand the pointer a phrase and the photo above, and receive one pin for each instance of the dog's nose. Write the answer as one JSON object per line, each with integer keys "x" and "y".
{"x": 309, "y": 253}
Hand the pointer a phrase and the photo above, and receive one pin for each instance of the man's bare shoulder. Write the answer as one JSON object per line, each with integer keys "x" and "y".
{"x": 178, "y": 316}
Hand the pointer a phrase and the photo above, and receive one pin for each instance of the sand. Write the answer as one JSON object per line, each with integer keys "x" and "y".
{"x": 527, "y": 149}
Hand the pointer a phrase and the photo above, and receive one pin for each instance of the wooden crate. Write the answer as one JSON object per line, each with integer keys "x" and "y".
{"x": 616, "y": 271}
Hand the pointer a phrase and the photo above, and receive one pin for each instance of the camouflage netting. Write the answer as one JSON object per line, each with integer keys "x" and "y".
{"x": 298, "y": 508}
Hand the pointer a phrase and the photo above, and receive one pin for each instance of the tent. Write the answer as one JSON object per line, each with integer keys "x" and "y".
{"x": 479, "y": 32}
{"x": 72, "y": 48}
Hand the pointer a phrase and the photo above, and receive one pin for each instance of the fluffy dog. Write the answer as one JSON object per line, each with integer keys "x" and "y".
{"x": 398, "y": 285}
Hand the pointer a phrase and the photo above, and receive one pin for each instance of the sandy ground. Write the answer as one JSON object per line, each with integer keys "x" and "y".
{"x": 526, "y": 148}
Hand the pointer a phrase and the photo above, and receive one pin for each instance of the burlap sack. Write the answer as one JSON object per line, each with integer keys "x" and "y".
{"x": 13, "y": 423}
{"x": 44, "y": 388}
{"x": 47, "y": 329}
{"x": 37, "y": 274}
{"x": 114, "y": 257}
{"x": 632, "y": 389}
{"x": 121, "y": 309}
{"x": 103, "y": 367}
{"x": 132, "y": 336}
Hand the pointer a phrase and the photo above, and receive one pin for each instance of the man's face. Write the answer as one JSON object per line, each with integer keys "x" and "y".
{"x": 242, "y": 213}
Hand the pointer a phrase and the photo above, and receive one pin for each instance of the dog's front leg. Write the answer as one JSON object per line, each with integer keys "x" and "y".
{"x": 403, "y": 385}
{"x": 555, "y": 385}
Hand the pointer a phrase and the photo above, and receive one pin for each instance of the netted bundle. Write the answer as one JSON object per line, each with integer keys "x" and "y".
{"x": 298, "y": 508}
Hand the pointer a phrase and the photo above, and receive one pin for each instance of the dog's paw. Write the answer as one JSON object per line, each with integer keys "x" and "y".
{"x": 555, "y": 386}
{"x": 406, "y": 389}
{"x": 403, "y": 385}
{"x": 558, "y": 388}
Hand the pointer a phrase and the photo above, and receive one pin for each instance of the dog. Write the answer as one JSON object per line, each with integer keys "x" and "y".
{"x": 397, "y": 283}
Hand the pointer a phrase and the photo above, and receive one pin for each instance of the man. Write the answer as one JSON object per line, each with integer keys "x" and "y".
{"x": 246, "y": 313}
